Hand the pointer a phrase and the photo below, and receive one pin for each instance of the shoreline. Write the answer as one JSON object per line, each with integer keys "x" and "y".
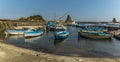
{"x": 11, "y": 53}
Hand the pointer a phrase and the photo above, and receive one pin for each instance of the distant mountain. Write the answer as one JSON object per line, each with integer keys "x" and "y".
{"x": 114, "y": 20}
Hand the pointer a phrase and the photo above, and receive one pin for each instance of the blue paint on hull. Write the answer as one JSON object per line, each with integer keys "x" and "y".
{"x": 34, "y": 33}
{"x": 61, "y": 35}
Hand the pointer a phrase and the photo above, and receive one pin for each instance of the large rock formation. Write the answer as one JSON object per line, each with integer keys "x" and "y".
{"x": 114, "y": 20}
{"x": 68, "y": 20}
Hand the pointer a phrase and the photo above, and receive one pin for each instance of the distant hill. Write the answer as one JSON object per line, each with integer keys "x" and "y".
{"x": 37, "y": 18}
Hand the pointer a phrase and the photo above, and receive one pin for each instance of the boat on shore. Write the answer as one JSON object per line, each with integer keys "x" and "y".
{"x": 34, "y": 33}
{"x": 15, "y": 32}
{"x": 95, "y": 32}
{"x": 61, "y": 34}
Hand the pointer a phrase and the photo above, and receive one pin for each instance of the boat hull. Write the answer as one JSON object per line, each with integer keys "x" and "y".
{"x": 61, "y": 35}
{"x": 95, "y": 36}
{"x": 14, "y": 32}
{"x": 33, "y": 33}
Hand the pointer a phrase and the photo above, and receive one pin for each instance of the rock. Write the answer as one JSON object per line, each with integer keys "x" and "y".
{"x": 37, "y": 54}
{"x": 68, "y": 20}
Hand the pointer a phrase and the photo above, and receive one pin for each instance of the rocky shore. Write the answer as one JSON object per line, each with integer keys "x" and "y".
{"x": 116, "y": 34}
{"x": 10, "y": 53}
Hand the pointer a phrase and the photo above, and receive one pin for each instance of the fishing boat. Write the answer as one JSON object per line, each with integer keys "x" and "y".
{"x": 33, "y": 33}
{"x": 57, "y": 28}
{"x": 50, "y": 26}
{"x": 61, "y": 34}
{"x": 95, "y": 32}
{"x": 15, "y": 32}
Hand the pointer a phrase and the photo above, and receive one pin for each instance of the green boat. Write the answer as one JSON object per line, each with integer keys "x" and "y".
{"x": 97, "y": 33}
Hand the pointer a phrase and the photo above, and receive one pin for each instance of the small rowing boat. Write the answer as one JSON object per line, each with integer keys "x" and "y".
{"x": 15, "y": 32}
{"x": 61, "y": 34}
{"x": 95, "y": 32}
{"x": 33, "y": 33}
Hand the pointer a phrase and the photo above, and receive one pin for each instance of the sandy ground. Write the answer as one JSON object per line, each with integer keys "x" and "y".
{"x": 10, "y": 53}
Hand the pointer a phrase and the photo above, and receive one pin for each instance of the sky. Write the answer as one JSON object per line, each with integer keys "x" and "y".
{"x": 79, "y": 10}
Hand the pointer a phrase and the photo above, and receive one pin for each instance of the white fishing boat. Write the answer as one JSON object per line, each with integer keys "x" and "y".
{"x": 60, "y": 27}
{"x": 15, "y": 32}
{"x": 18, "y": 32}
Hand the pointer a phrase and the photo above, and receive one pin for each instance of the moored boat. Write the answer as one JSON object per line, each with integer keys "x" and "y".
{"x": 33, "y": 33}
{"x": 57, "y": 28}
{"x": 95, "y": 32}
{"x": 61, "y": 34}
{"x": 50, "y": 26}
{"x": 96, "y": 35}
{"x": 14, "y": 32}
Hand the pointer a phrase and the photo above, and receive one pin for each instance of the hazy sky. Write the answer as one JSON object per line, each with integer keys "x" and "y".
{"x": 80, "y": 10}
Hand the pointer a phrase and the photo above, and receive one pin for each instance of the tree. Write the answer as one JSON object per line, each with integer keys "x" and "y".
{"x": 22, "y": 19}
{"x": 36, "y": 18}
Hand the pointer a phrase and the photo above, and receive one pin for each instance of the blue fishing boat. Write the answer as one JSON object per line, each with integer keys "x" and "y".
{"x": 51, "y": 26}
{"x": 33, "y": 33}
{"x": 61, "y": 34}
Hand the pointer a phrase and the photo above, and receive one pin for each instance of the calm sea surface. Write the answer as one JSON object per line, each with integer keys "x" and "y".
{"x": 74, "y": 45}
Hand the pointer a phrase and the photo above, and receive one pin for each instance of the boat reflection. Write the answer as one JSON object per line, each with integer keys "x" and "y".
{"x": 32, "y": 39}
{"x": 60, "y": 41}
{"x": 14, "y": 37}
{"x": 80, "y": 38}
